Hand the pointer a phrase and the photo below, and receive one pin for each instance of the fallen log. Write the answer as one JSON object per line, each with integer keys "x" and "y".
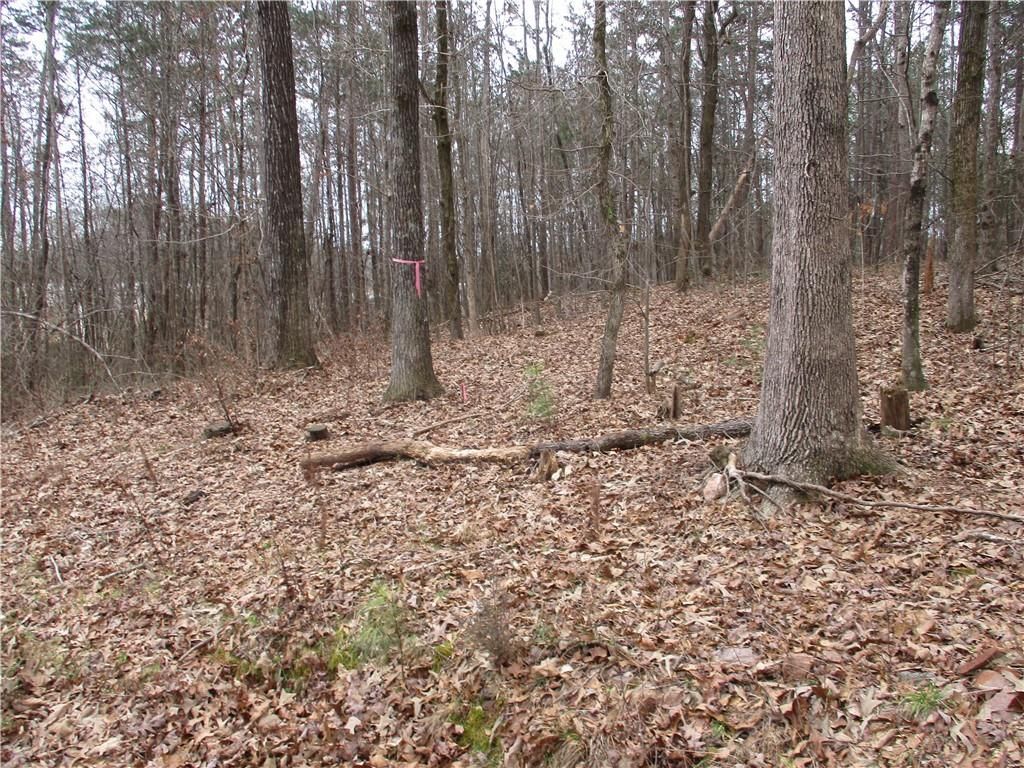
{"x": 429, "y": 453}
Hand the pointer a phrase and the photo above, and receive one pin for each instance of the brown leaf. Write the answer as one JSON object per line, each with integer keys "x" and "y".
{"x": 979, "y": 660}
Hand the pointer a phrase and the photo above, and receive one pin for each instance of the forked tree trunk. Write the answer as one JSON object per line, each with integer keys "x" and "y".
{"x": 412, "y": 368}
{"x": 913, "y": 242}
{"x": 964, "y": 144}
{"x": 284, "y": 187}
{"x": 808, "y": 420}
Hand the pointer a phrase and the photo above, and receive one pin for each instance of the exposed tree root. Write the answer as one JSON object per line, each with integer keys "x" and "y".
{"x": 742, "y": 476}
{"x": 429, "y": 453}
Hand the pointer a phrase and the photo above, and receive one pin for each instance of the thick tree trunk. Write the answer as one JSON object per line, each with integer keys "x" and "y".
{"x": 284, "y": 187}
{"x": 913, "y": 242}
{"x": 808, "y": 420}
{"x": 412, "y": 369}
{"x": 966, "y": 121}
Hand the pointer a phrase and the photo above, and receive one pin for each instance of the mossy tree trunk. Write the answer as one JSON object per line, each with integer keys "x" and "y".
{"x": 960, "y": 316}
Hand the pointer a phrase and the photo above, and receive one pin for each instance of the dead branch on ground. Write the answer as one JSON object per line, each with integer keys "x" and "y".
{"x": 429, "y": 453}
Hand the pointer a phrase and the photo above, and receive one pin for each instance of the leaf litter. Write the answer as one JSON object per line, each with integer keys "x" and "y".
{"x": 170, "y": 600}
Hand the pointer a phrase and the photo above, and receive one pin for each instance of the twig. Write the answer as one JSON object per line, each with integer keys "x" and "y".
{"x": 56, "y": 570}
{"x": 445, "y": 423}
{"x": 63, "y": 331}
{"x": 202, "y": 643}
{"x": 123, "y": 571}
{"x": 990, "y": 538}
{"x": 866, "y": 503}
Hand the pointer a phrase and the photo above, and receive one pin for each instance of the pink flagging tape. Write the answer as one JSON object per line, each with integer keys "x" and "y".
{"x": 417, "y": 263}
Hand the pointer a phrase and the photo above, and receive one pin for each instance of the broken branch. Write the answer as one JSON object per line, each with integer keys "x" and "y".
{"x": 429, "y": 453}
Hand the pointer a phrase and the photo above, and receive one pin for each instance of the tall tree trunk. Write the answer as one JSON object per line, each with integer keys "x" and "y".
{"x": 989, "y": 245}
{"x": 683, "y": 191}
{"x": 488, "y": 203}
{"x": 412, "y": 369}
{"x": 705, "y": 165}
{"x": 442, "y": 128}
{"x": 284, "y": 188}
{"x": 1017, "y": 235}
{"x": 46, "y": 139}
{"x": 905, "y": 123}
{"x": 615, "y": 241}
{"x": 913, "y": 373}
{"x": 9, "y": 163}
{"x": 808, "y": 420}
{"x": 960, "y": 315}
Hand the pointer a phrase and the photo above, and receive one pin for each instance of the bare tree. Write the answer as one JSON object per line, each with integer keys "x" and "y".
{"x": 615, "y": 241}
{"x": 970, "y": 78}
{"x": 46, "y": 140}
{"x": 412, "y": 369}
{"x": 683, "y": 191}
{"x": 808, "y": 420}
{"x": 284, "y": 187}
{"x": 913, "y": 373}
{"x": 443, "y": 131}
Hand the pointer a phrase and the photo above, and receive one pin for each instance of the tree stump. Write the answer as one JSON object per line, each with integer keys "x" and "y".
{"x": 218, "y": 429}
{"x": 547, "y": 465}
{"x": 895, "y": 407}
{"x": 316, "y": 432}
{"x": 670, "y": 406}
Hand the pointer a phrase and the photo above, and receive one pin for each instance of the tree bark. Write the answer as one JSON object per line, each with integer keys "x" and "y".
{"x": 615, "y": 241}
{"x": 808, "y": 420}
{"x": 412, "y": 368}
{"x": 705, "y": 165}
{"x": 913, "y": 241}
{"x": 960, "y": 316}
{"x": 442, "y": 128}
{"x": 683, "y": 190}
{"x": 427, "y": 452}
{"x": 989, "y": 245}
{"x": 284, "y": 187}
{"x": 46, "y": 140}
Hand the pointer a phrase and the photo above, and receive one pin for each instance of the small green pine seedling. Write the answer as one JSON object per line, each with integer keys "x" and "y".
{"x": 922, "y": 703}
{"x": 540, "y": 399}
{"x": 381, "y": 629}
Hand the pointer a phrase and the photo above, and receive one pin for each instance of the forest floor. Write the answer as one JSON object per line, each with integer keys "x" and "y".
{"x": 170, "y": 600}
